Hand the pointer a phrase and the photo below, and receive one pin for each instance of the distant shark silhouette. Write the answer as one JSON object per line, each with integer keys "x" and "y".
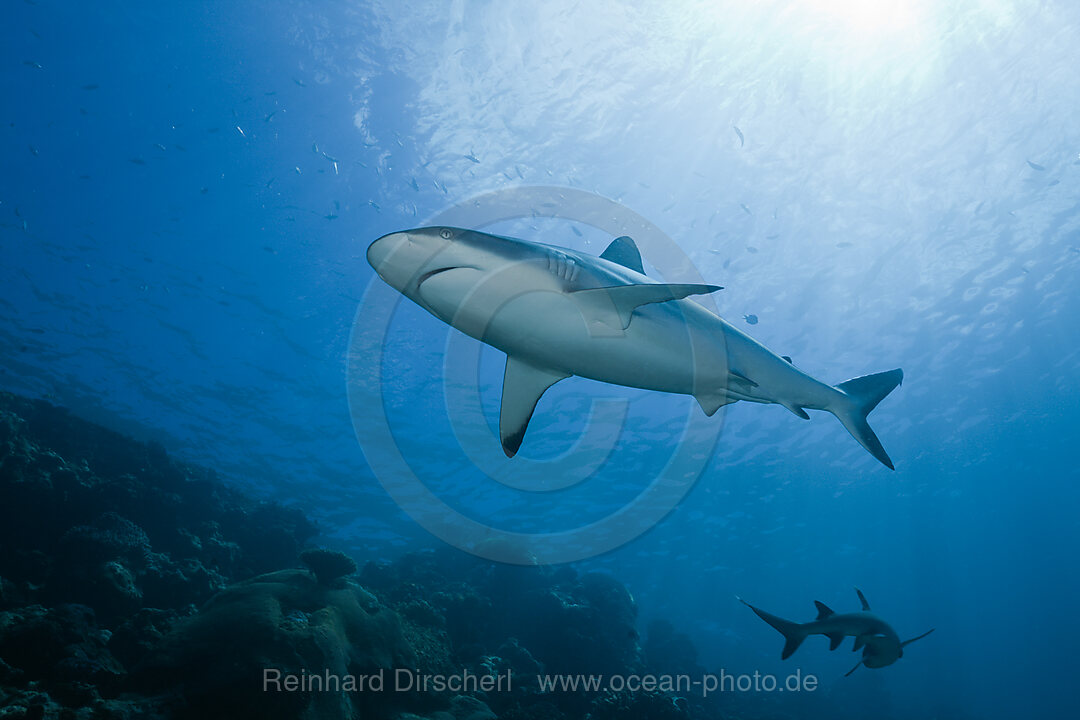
{"x": 556, "y": 313}
{"x": 880, "y": 644}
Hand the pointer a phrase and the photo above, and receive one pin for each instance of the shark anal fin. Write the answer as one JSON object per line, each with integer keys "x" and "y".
{"x": 796, "y": 410}
{"x": 623, "y": 251}
{"x": 823, "y": 610}
{"x": 523, "y": 384}
{"x": 712, "y": 402}
{"x": 622, "y": 300}
{"x": 862, "y": 599}
{"x": 835, "y": 639}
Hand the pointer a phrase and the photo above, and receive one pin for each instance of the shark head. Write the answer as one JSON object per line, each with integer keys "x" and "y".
{"x": 457, "y": 274}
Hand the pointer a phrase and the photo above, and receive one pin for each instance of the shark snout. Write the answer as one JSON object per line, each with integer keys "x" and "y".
{"x": 379, "y": 252}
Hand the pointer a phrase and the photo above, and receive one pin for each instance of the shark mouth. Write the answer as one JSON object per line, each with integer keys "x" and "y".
{"x": 432, "y": 273}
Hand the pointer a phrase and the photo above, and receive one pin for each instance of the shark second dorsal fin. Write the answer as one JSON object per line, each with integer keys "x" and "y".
{"x": 599, "y": 304}
{"x": 823, "y": 610}
{"x": 623, "y": 251}
{"x": 523, "y": 384}
{"x": 862, "y": 599}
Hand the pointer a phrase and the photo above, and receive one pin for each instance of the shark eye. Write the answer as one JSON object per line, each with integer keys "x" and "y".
{"x": 446, "y": 234}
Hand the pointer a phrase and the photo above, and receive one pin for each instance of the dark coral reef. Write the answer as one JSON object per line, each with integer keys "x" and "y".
{"x": 133, "y": 585}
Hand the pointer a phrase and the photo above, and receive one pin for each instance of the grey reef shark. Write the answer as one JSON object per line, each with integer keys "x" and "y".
{"x": 880, "y": 644}
{"x": 557, "y": 313}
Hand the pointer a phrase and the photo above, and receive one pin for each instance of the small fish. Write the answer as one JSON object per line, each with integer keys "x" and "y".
{"x": 415, "y": 186}
{"x": 742, "y": 140}
{"x": 844, "y": 244}
{"x": 335, "y": 167}
{"x": 518, "y": 169}
{"x": 330, "y": 216}
{"x": 270, "y": 182}
{"x": 160, "y": 147}
{"x": 269, "y": 249}
{"x": 299, "y": 82}
{"x": 137, "y": 161}
{"x": 751, "y": 249}
{"x": 750, "y": 319}
{"x": 31, "y": 63}
{"x": 181, "y": 148}
{"x": 472, "y": 157}
{"x": 204, "y": 190}
{"x": 270, "y": 116}
{"x": 375, "y": 205}
{"x": 297, "y": 169}
{"x": 33, "y": 151}
{"x": 1036, "y": 166}
{"x": 576, "y": 231}
{"x": 315, "y": 148}
{"x": 91, "y": 86}
{"x": 329, "y": 157}
{"x": 240, "y": 131}
{"x": 745, "y": 209}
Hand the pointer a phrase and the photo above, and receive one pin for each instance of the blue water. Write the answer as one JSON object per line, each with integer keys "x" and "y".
{"x": 189, "y": 190}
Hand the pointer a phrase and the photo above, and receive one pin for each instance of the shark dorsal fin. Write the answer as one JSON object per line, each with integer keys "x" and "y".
{"x": 920, "y": 637}
{"x": 623, "y": 251}
{"x": 862, "y": 599}
{"x": 823, "y": 610}
{"x": 621, "y": 300}
{"x": 523, "y": 384}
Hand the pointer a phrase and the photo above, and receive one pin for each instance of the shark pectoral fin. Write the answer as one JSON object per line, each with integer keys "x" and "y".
{"x": 835, "y": 639}
{"x": 853, "y": 669}
{"x": 523, "y": 384}
{"x": 623, "y": 251}
{"x": 712, "y": 402}
{"x": 823, "y": 610}
{"x": 920, "y": 637}
{"x": 860, "y": 640}
{"x": 862, "y": 599}
{"x": 621, "y": 300}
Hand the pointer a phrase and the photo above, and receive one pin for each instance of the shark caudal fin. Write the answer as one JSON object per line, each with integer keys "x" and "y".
{"x": 793, "y": 632}
{"x": 865, "y": 393}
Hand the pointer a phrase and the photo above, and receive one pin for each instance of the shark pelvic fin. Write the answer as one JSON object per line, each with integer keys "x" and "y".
{"x": 624, "y": 251}
{"x": 823, "y": 610}
{"x": 835, "y": 639}
{"x": 739, "y": 377}
{"x": 862, "y": 599}
{"x": 601, "y": 304}
{"x": 860, "y": 640}
{"x": 523, "y": 384}
{"x": 711, "y": 402}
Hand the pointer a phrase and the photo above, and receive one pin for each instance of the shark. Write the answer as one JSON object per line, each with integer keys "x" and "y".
{"x": 880, "y": 644}
{"x": 558, "y": 313}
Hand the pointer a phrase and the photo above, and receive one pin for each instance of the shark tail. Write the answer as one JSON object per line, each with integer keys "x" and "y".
{"x": 794, "y": 633}
{"x": 863, "y": 395}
